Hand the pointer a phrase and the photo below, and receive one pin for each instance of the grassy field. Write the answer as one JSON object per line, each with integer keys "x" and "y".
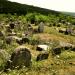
{"x": 61, "y": 64}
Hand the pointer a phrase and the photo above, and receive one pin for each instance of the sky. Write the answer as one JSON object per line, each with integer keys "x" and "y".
{"x": 58, "y": 5}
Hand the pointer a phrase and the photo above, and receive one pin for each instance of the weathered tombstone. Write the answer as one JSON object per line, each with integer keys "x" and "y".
{"x": 42, "y": 56}
{"x": 19, "y": 58}
{"x": 42, "y": 48}
{"x": 41, "y": 27}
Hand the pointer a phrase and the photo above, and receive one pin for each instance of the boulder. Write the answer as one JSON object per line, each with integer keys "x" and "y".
{"x": 1, "y": 33}
{"x": 68, "y": 31}
{"x": 19, "y": 41}
{"x": 35, "y": 30}
{"x": 62, "y": 30}
{"x": 19, "y": 58}
{"x": 12, "y": 25}
{"x": 8, "y": 39}
{"x": 57, "y": 50}
{"x": 73, "y": 49}
{"x": 42, "y": 56}
{"x": 66, "y": 45}
{"x": 12, "y": 34}
{"x": 8, "y": 30}
{"x": 22, "y": 40}
{"x": 42, "y": 48}
{"x": 25, "y": 40}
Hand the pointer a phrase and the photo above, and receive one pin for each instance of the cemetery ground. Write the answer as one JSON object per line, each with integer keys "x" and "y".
{"x": 27, "y": 50}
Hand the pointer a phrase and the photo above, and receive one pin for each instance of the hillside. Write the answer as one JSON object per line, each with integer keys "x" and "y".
{"x": 69, "y": 13}
{"x": 13, "y": 7}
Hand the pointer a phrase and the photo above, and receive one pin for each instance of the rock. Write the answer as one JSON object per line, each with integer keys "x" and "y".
{"x": 42, "y": 47}
{"x": 68, "y": 31}
{"x": 63, "y": 30}
{"x": 35, "y": 30}
{"x": 30, "y": 28}
{"x": 42, "y": 56}
{"x": 66, "y": 45}
{"x": 25, "y": 40}
{"x": 57, "y": 50}
{"x": 73, "y": 49}
{"x": 8, "y": 39}
{"x": 12, "y": 25}
{"x": 72, "y": 62}
{"x": 12, "y": 34}
{"x": 8, "y": 29}
{"x": 1, "y": 33}
{"x": 19, "y": 58}
{"x": 19, "y": 41}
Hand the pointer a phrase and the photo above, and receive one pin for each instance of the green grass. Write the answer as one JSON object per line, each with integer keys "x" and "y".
{"x": 54, "y": 65}
{"x": 67, "y": 55}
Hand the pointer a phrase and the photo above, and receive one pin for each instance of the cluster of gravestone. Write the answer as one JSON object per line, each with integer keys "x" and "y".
{"x": 67, "y": 31}
{"x": 21, "y": 56}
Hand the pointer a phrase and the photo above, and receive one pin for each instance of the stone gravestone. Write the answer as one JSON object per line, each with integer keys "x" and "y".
{"x": 41, "y": 27}
{"x": 19, "y": 58}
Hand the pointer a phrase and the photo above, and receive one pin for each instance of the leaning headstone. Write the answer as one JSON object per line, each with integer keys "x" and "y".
{"x": 19, "y": 58}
